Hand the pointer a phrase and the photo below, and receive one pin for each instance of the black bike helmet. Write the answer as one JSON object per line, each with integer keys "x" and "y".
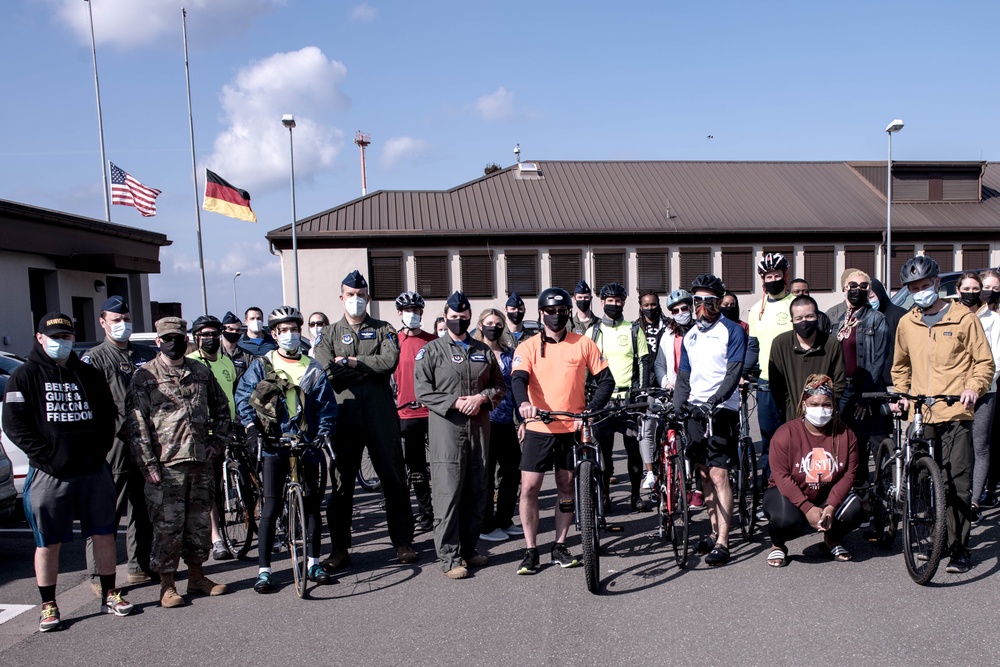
{"x": 409, "y": 300}
{"x": 712, "y": 283}
{"x": 554, "y": 296}
{"x": 284, "y": 314}
{"x": 616, "y": 290}
{"x": 679, "y": 296}
{"x": 772, "y": 261}
{"x": 918, "y": 268}
{"x": 205, "y": 321}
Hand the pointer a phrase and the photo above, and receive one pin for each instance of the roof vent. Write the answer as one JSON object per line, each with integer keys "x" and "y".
{"x": 529, "y": 170}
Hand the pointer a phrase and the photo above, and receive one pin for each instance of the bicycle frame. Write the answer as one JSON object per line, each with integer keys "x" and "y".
{"x": 587, "y": 449}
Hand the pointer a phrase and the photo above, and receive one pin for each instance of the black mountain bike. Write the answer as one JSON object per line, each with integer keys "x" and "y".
{"x": 238, "y": 498}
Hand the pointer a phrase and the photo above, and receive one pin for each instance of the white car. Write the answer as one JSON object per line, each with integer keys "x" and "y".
{"x": 18, "y": 459}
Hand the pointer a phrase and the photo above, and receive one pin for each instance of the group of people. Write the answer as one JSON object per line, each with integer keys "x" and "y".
{"x": 131, "y": 429}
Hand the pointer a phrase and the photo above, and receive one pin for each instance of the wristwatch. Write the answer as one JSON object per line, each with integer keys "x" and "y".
{"x": 344, "y": 361}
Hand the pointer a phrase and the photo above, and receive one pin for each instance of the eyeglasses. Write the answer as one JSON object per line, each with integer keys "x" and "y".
{"x": 707, "y": 301}
{"x": 680, "y": 309}
{"x": 556, "y": 310}
{"x": 208, "y": 334}
{"x": 861, "y": 286}
{"x": 317, "y": 324}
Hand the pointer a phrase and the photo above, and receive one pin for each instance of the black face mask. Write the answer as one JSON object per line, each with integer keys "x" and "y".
{"x": 174, "y": 348}
{"x": 613, "y": 312}
{"x": 491, "y": 333}
{"x": 651, "y": 314}
{"x": 806, "y": 328}
{"x": 515, "y": 316}
{"x": 775, "y": 287}
{"x": 210, "y": 345}
{"x": 971, "y": 299}
{"x": 857, "y": 298}
{"x": 555, "y": 322}
{"x": 231, "y": 336}
{"x": 731, "y": 313}
{"x": 583, "y": 305}
{"x": 458, "y": 327}
{"x": 992, "y": 298}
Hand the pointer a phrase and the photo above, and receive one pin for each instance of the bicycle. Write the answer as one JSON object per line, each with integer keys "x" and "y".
{"x": 743, "y": 477}
{"x": 908, "y": 486}
{"x": 239, "y": 498}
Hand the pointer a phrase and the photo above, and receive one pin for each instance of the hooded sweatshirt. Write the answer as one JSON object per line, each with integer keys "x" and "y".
{"x": 892, "y": 313}
{"x": 62, "y": 418}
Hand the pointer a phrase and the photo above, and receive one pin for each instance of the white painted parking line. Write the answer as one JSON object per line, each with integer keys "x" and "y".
{"x": 9, "y": 611}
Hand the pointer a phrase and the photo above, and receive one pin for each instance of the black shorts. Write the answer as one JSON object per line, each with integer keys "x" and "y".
{"x": 720, "y": 450}
{"x": 540, "y": 451}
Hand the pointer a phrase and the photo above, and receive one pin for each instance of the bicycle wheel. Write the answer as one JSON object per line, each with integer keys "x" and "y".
{"x": 923, "y": 519}
{"x": 678, "y": 505}
{"x": 749, "y": 491}
{"x": 589, "y": 538}
{"x": 236, "y": 510}
{"x": 297, "y": 538}
{"x": 885, "y": 517}
{"x": 367, "y": 477}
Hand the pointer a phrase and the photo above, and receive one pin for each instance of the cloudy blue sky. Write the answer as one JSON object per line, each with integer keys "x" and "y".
{"x": 446, "y": 87}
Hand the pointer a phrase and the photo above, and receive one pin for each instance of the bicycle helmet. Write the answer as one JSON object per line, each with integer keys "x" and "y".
{"x": 554, "y": 296}
{"x": 409, "y": 300}
{"x": 616, "y": 290}
{"x": 205, "y": 321}
{"x": 678, "y": 296}
{"x": 712, "y": 283}
{"x": 772, "y": 261}
{"x": 284, "y": 314}
{"x": 918, "y": 268}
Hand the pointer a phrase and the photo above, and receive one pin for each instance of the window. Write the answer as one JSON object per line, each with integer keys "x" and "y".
{"x": 654, "y": 271}
{"x": 477, "y": 274}
{"x": 975, "y": 257}
{"x": 738, "y": 270}
{"x": 386, "y": 274}
{"x": 565, "y": 270}
{"x": 944, "y": 255}
{"x": 900, "y": 253}
{"x": 694, "y": 262}
{"x": 432, "y": 276}
{"x": 522, "y": 274}
{"x": 609, "y": 267}
{"x": 819, "y": 268}
{"x": 860, "y": 257}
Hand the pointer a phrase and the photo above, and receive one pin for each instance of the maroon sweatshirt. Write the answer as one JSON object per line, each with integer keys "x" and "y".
{"x": 808, "y": 469}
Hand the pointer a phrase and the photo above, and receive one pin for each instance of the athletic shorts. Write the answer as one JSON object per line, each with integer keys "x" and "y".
{"x": 51, "y": 504}
{"x": 540, "y": 451}
{"x": 720, "y": 450}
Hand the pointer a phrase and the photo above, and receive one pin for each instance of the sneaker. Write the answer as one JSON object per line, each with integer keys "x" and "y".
{"x": 406, "y": 554}
{"x": 49, "y": 620}
{"x": 562, "y": 557}
{"x": 959, "y": 563}
{"x": 423, "y": 523}
{"x": 220, "y": 551}
{"x": 529, "y": 565}
{"x": 496, "y": 535}
{"x": 640, "y": 504}
{"x": 263, "y": 583}
{"x": 115, "y": 604}
{"x": 318, "y": 575}
{"x": 649, "y": 480}
{"x": 514, "y": 530}
{"x": 717, "y": 556}
{"x": 695, "y": 500}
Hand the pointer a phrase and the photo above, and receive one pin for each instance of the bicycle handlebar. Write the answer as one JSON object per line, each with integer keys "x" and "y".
{"x": 950, "y": 399}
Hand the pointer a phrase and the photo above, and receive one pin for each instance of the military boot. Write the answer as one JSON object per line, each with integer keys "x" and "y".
{"x": 199, "y": 583}
{"x": 169, "y": 597}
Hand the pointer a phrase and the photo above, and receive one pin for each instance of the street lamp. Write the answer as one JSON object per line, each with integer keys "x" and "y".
{"x": 288, "y": 120}
{"x": 236, "y": 308}
{"x": 892, "y": 128}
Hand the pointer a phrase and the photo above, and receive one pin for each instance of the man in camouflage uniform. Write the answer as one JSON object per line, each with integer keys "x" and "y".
{"x": 359, "y": 355}
{"x": 118, "y": 359}
{"x": 178, "y": 418}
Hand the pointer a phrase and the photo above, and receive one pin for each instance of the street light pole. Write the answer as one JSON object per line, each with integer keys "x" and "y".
{"x": 892, "y": 128}
{"x": 289, "y": 121}
{"x": 236, "y": 308}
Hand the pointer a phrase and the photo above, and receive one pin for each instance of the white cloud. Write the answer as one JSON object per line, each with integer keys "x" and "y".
{"x": 400, "y": 149}
{"x": 251, "y": 258}
{"x": 364, "y": 12}
{"x": 253, "y": 151}
{"x": 498, "y": 105}
{"x": 135, "y": 23}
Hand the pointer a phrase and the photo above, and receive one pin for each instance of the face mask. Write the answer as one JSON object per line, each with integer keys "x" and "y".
{"x": 873, "y": 302}
{"x": 971, "y": 299}
{"x": 231, "y": 336}
{"x": 411, "y": 320}
{"x": 731, "y": 313}
{"x": 210, "y": 345}
{"x": 683, "y": 319}
{"x": 458, "y": 327}
{"x": 121, "y": 331}
{"x": 491, "y": 333}
{"x": 925, "y": 298}
{"x": 992, "y": 298}
{"x": 289, "y": 342}
{"x": 315, "y": 332}
{"x": 775, "y": 287}
{"x": 441, "y": 334}
{"x": 173, "y": 349}
{"x": 58, "y": 348}
{"x": 583, "y": 305}
{"x": 612, "y": 311}
{"x": 806, "y": 328}
{"x": 705, "y": 323}
{"x": 651, "y": 314}
{"x": 857, "y": 298}
{"x": 556, "y": 322}
{"x": 515, "y": 316}
{"x": 355, "y": 306}
{"x": 819, "y": 416}
{"x": 255, "y": 326}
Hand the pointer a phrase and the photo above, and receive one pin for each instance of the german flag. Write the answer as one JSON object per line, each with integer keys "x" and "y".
{"x": 221, "y": 197}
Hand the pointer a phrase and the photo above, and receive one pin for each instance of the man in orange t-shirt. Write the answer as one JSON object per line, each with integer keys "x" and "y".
{"x": 549, "y": 373}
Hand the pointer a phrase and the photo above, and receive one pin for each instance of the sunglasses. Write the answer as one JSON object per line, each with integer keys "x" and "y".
{"x": 556, "y": 310}
{"x": 861, "y": 286}
{"x": 708, "y": 301}
{"x": 680, "y": 309}
{"x": 317, "y": 324}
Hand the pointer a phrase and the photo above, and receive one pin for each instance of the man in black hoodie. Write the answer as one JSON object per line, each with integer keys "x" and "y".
{"x": 60, "y": 412}
{"x": 892, "y": 314}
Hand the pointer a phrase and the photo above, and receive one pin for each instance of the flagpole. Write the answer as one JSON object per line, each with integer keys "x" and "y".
{"x": 194, "y": 167}
{"x": 100, "y": 119}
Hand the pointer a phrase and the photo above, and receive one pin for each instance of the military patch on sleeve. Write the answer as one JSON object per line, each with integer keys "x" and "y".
{"x": 517, "y": 361}
{"x": 14, "y": 397}
{"x": 85, "y": 358}
{"x": 391, "y": 336}
{"x": 420, "y": 355}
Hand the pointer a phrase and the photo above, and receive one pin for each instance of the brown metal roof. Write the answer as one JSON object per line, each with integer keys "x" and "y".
{"x": 650, "y": 198}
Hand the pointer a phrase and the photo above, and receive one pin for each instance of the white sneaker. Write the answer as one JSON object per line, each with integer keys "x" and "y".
{"x": 649, "y": 480}
{"x": 514, "y": 530}
{"x": 496, "y": 536}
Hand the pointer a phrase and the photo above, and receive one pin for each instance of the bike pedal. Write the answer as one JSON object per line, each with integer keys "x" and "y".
{"x": 616, "y": 529}
{"x": 567, "y": 506}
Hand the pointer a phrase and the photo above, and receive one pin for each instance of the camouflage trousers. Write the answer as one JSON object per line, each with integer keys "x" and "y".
{"x": 179, "y": 508}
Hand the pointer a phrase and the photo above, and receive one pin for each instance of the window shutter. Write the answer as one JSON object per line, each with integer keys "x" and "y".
{"x": 860, "y": 257}
{"x": 738, "y": 270}
{"x": 654, "y": 271}
{"x": 819, "y": 268}
{"x": 900, "y": 253}
{"x": 477, "y": 274}
{"x": 522, "y": 274}
{"x": 432, "y": 276}
{"x": 975, "y": 257}
{"x": 609, "y": 267}
{"x": 386, "y": 276}
{"x": 694, "y": 262}
{"x": 944, "y": 255}
{"x": 565, "y": 270}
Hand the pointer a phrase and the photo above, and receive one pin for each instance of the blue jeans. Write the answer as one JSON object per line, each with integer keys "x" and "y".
{"x": 769, "y": 418}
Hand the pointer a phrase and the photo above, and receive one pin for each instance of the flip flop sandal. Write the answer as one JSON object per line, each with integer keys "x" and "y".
{"x": 778, "y": 555}
{"x": 840, "y": 554}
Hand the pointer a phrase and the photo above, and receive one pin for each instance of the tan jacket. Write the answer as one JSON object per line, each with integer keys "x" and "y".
{"x": 948, "y": 358}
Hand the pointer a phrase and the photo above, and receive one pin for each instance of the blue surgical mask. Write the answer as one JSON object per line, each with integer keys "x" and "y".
{"x": 873, "y": 302}
{"x": 58, "y": 348}
{"x": 925, "y": 298}
{"x": 121, "y": 331}
{"x": 289, "y": 342}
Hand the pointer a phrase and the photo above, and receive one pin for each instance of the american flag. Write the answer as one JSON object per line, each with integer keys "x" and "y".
{"x": 127, "y": 191}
